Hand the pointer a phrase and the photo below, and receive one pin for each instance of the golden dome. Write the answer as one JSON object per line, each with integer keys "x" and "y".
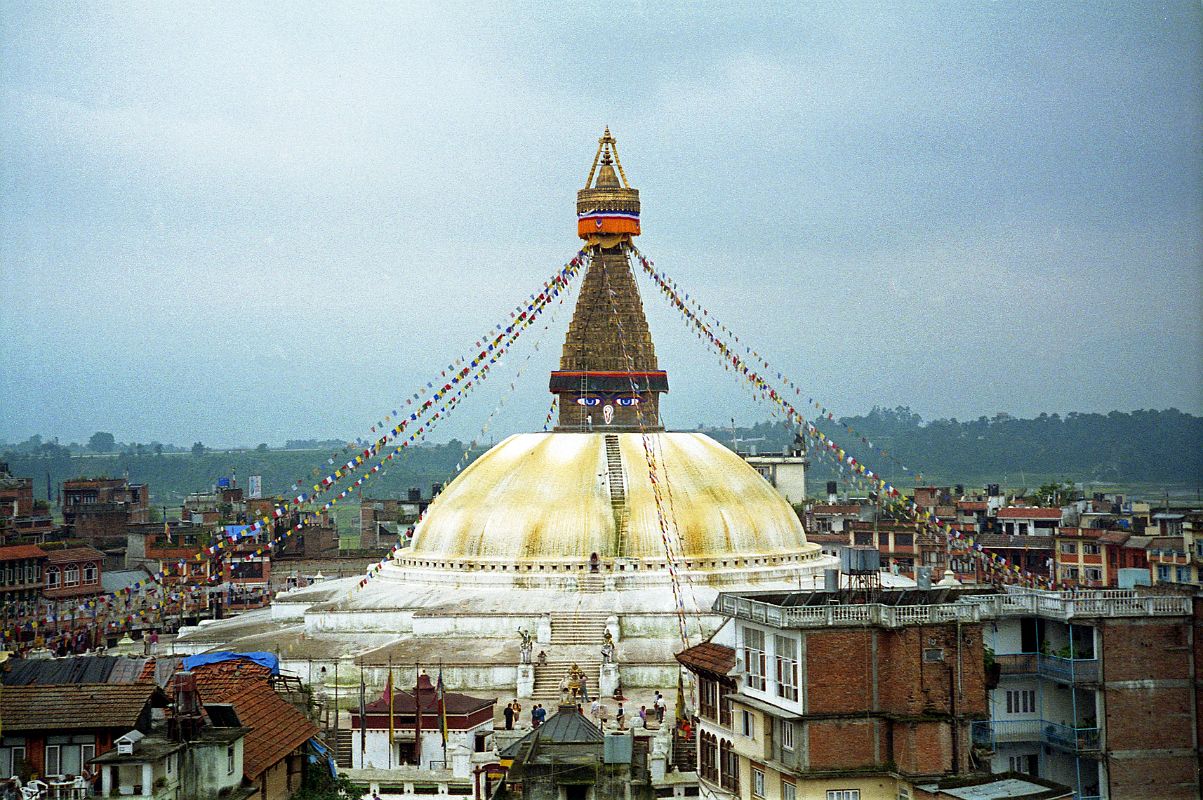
{"x": 560, "y": 497}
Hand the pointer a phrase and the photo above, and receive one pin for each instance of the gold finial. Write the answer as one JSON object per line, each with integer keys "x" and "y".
{"x": 607, "y": 155}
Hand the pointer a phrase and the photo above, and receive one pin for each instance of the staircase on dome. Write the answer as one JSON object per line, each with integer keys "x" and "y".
{"x": 609, "y": 379}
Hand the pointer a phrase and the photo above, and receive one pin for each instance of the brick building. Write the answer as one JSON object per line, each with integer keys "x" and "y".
{"x": 804, "y": 694}
{"x": 72, "y": 573}
{"x": 23, "y": 520}
{"x": 382, "y": 521}
{"x": 1098, "y": 690}
{"x": 20, "y": 588}
{"x": 97, "y": 510}
{"x": 55, "y": 730}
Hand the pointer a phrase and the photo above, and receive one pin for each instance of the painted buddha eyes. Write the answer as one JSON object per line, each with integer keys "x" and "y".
{"x": 592, "y": 400}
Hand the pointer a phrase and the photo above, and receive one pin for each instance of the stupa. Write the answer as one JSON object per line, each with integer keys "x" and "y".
{"x": 608, "y": 524}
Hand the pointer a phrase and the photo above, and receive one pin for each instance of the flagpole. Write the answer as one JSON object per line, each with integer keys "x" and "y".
{"x": 389, "y": 692}
{"x": 442, "y": 713}
{"x": 418, "y": 710}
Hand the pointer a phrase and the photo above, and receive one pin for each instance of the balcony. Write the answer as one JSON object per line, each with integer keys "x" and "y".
{"x": 1065, "y": 670}
{"x": 1088, "y": 603}
{"x": 1075, "y": 741}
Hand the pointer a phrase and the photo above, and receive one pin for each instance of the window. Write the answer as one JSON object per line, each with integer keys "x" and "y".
{"x": 788, "y": 791}
{"x": 1025, "y": 764}
{"x": 728, "y": 767}
{"x": 933, "y": 655}
{"x": 71, "y": 576}
{"x": 747, "y": 724}
{"x": 90, "y": 572}
{"x": 843, "y": 794}
{"x": 51, "y": 577}
{"x": 1094, "y": 574}
{"x": 1090, "y": 549}
{"x": 67, "y": 755}
{"x": 1069, "y": 573}
{"x": 230, "y": 760}
{"x": 1069, "y": 548}
{"x": 12, "y": 754}
{"x": 757, "y": 782}
{"x": 787, "y": 735}
{"x": 904, "y": 540}
{"x": 863, "y": 538}
{"x": 1021, "y": 701}
{"x": 53, "y": 759}
{"x": 1183, "y": 575}
{"x": 708, "y": 699}
{"x": 170, "y": 763}
{"x": 1163, "y": 573}
{"x": 708, "y": 757}
{"x": 754, "y": 657}
{"x": 724, "y": 705}
{"x": 787, "y": 667}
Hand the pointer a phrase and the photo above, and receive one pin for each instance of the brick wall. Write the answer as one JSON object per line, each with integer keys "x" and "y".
{"x": 1151, "y": 708}
{"x": 841, "y": 743}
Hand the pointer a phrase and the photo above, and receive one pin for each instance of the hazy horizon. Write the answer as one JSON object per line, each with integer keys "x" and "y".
{"x": 235, "y": 225}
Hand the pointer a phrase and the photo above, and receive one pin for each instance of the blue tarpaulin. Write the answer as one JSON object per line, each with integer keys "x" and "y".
{"x": 236, "y": 531}
{"x": 322, "y": 753}
{"x": 268, "y": 660}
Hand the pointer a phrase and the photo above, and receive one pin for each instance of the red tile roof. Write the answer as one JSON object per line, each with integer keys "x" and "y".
{"x": 277, "y": 728}
{"x": 20, "y": 551}
{"x": 972, "y": 505}
{"x": 1029, "y": 512}
{"x": 835, "y": 509}
{"x": 456, "y": 703}
{"x": 716, "y": 659}
{"x": 75, "y": 706}
{"x": 74, "y": 554}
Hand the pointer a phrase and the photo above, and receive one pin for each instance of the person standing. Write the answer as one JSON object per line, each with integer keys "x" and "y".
{"x": 658, "y": 704}
{"x": 584, "y": 688}
{"x": 621, "y": 718}
{"x": 643, "y": 717}
{"x": 595, "y": 712}
{"x": 508, "y": 713}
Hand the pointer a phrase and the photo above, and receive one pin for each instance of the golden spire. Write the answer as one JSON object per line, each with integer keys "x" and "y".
{"x": 608, "y": 378}
{"x": 608, "y": 210}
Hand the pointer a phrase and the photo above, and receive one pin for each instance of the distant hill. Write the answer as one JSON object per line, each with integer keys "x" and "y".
{"x": 173, "y": 475}
{"x": 1141, "y": 448}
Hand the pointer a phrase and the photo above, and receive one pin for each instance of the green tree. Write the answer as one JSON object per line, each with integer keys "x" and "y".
{"x": 262, "y": 448}
{"x": 1055, "y": 494}
{"x": 198, "y": 449}
{"x": 102, "y": 442}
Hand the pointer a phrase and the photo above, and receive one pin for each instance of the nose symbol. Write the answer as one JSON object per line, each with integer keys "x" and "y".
{"x": 608, "y": 414}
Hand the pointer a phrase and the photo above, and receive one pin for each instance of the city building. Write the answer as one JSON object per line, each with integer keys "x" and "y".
{"x": 23, "y": 520}
{"x": 97, "y": 510}
{"x": 72, "y": 573}
{"x": 55, "y": 730}
{"x": 818, "y": 694}
{"x": 385, "y": 521}
{"x": 1097, "y": 690}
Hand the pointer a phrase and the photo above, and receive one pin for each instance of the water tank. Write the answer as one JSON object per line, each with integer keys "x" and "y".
{"x": 831, "y": 580}
{"x": 618, "y": 748}
{"x": 923, "y": 577}
{"x": 415, "y": 494}
{"x": 859, "y": 559}
{"x": 1131, "y": 577}
{"x": 992, "y": 490}
{"x": 831, "y": 487}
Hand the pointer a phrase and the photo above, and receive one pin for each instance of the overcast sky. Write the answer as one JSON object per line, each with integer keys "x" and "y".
{"x": 247, "y": 224}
